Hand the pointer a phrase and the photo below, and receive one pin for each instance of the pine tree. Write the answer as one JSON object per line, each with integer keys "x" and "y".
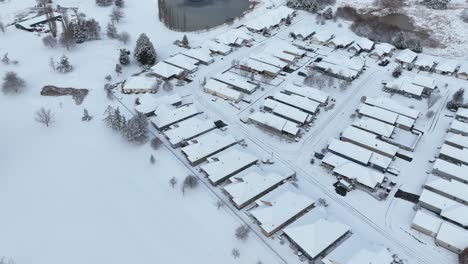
{"x": 185, "y": 41}
{"x": 119, "y": 3}
{"x": 152, "y": 159}
{"x": 64, "y": 65}
{"x": 111, "y": 31}
{"x": 124, "y": 58}
{"x": 136, "y": 129}
{"x": 86, "y": 116}
{"x": 114, "y": 119}
{"x": 144, "y": 52}
{"x": 118, "y": 69}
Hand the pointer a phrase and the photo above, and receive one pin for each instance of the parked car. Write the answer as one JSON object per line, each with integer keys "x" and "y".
{"x": 384, "y": 63}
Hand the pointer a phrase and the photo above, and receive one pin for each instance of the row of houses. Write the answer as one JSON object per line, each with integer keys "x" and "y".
{"x": 444, "y": 199}
{"x": 424, "y": 62}
{"x": 417, "y": 87}
{"x": 338, "y": 65}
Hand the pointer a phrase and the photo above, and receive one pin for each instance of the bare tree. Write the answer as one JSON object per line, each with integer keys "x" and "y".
{"x": 117, "y": 14}
{"x": 66, "y": 38}
{"x": 235, "y": 253}
{"x": 155, "y": 143}
{"x": 12, "y": 83}
{"x": 6, "y": 59}
{"x": 191, "y": 182}
{"x": 124, "y": 37}
{"x": 2, "y": 27}
{"x": 173, "y": 182}
{"x": 219, "y": 204}
{"x": 45, "y": 116}
{"x": 86, "y": 116}
{"x": 52, "y": 63}
{"x": 242, "y": 232}
{"x": 152, "y": 159}
{"x": 49, "y": 41}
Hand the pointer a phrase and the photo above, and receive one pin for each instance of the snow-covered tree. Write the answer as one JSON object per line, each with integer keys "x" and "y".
{"x": 118, "y": 69}
{"x": 136, "y": 129}
{"x": 155, "y": 143}
{"x": 49, "y": 41}
{"x": 458, "y": 99}
{"x": 173, "y": 182}
{"x": 436, "y": 4}
{"x": 111, "y": 31}
{"x": 85, "y": 30}
{"x": 328, "y": 13}
{"x": 242, "y": 232}
{"x": 86, "y": 116}
{"x": 114, "y": 119}
{"x": 2, "y": 27}
{"x": 464, "y": 15}
{"x": 152, "y": 159}
{"x": 235, "y": 253}
{"x": 185, "y": 41}
{"x": 44, "y": 116}
{"x": 144, "y": 52}
{"x": 124, "y": 57}
{"x": 104, "y": 2}
{"x": 64, "y": 65}
{"x": 119, "y": 3}
{"x": 191, "y": 182}
{"x": 12, "y": 83}
{"x": 116, "y": 14}
{"x": 68, "y": 38}
{"x": 397, "y": 71}
{"x": 167, "y": 86}
{"x": 6, "y": 59}
{"x": 124, "y": 37}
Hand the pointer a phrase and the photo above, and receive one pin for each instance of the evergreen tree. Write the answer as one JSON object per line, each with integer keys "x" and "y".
{"x": 118, "y": 69}
{"x": 185, "y": 41}
{"x": 64, "y": 65}
{"x": 114, "y": 119}
{"x": 119, "y": 3}
{"x": 144, "y": 52}
{"x": 136, "y": 129}
{"x": 124, "y": 58}
{"x": 111, "y": 31}
{"x": 12, "y": 83}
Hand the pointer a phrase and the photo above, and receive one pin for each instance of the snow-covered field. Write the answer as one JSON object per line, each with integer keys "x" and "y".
{"x": 78, "y": 192}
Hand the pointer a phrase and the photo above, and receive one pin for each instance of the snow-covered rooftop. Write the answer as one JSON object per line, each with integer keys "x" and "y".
{"x": 407, "y": 56}
{"x": 297, "y": 101}
{"x": 424, "y": 81}
{"x": 322, "y": 36}
{"x": 460, "y": 155}
{"x": 374, "y": 126}
{"x": 393, "y": 106}
{"x": 223, "y": 90}
{"x": 166, "y": 70}
{"x": 274, "y": 212}
{"x": 462, "y": 112}
{"x": 435, "y": 200}
{"x": 334, "y": 160}
{"x": 350, "y": 151}
{"x": 341, "y": 40}
{"x": 316, "y": 237}
{"x": 425, "y": 60}
{"x": 243, "y": 189}
{"x": 139, "y": 82}
{"x": 236, "y": 81}
{"x": 447, "y": 65}
{"x": 201, "y": 54}
{"x": 286, "y": 111}
{"x": 378, "y": 113}
{"x": 234, "y": 37}
{"x": 217, "y": 47}
{"x": 167, "y": 115}
{"x": 364, "y": 175}
{"x": 275, "y": 122}
{"x": 269, "y": 19}
{"x": 149, "y": 103}
{"x": 427, "y": 221}
{"x": 370, "y": 140}
{"x": 457, "y": 140}
{"x": 459, "y": 127}
{"x": 364, "y": 43}
{"x": 311, "y": 93}
{"x": 458, "y": 172}
{"x": 260, "y": 66}
{"x": 184, "y": 62}
{"x": 449, "y": 188}
{"x": 269, "y": 59}
{"x": 457, "y": 213}
{"x": 453, "y": 235}
{"x": 207, "y": 145}
{"x": 405, "y": 87}
{"x": 226, "y": 164}
{"x": 365, "y": 256}
{"x": 385, "y": 47}
{"x": 188, "y": 129}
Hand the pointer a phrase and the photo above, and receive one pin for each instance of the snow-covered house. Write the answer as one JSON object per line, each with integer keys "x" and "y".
{"x": 276, "y": 210}
{"x": 386, "y": 116}
{"x": 302, "y": 32}
{"x": 426, "y": 223}
{"x": 244, "y": 189}
{"x": 217, "y": 48}
{"x": 425, "y": 62}
{"x": 456, "y": 140}
{"x": 167, "y": 71}
{"x": 201, "y": 148}
{"x": 222, "y": 90}
{"x": 336, "y": 70}
{"x": 299, "y": 102}
{"x": 382, "y": 50}
{"x": 148, "y": 103}
{"x": 340, "y": 42}
{"x": 235, "y": 37}
{"x": 186, "y": 130}
{"x": 405, "y": 88}
{"x": 270, "y": 19}
{"x": 183, "y": 62}
{"x": 285, "y": 111}
{"x": 435, "y": 202}
{"x": 166, "y": 116}
{"x": 237, "y": 82}
{"x": 450, "y": 170}
{"x": 275, "y": 123}
{"x": 202, "y": 55}
{"x": 280, "y": 47}
{"x": 139, "y": 84}
{"x": 252, "y": 65}
{"x": 374, "y": 126}
{"x": 428, "y": 83}
{"x": 406, "y": 57}
{"x": 369, "y": 141}
{"x": 380, "y": 256}
{"x": 316, "y": 238}
{"x": 454, "y": 190}
{"x": 35, "y": 22}
{"x": 322, "y": 37}
{"x": 389, "y": 104}
{"x": 457, "y": 214}
{"x": 463, "y": 71}
{"x": 453, "y": 154}
{"x": 447, "y": 66}
{"x": 459, "y": 127}
{"x": 267, "y": 58}
{"x": 226, "y": 164}
{"x": 361, "y": 44}
{"x": 452, "y": 237}
{"x": 462, "y": 115}
{"x": 366, "y": 177}
{"x": 309, "y": 92}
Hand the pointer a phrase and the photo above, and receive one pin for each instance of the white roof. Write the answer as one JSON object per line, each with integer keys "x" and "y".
{"x": 297, "y": 101}
{"x": 424, "y": 81}
{"x": 149, "y": 103}
{"x": 200, "y": 54}
{"x": 462, "y": 112}
{"x": 453, "y": 235}
{"x": 364, "y": 175}
{"x": 342, "y": 40}
{"x": 226, "y": 163}
{"x": 217, "y": 47}
{"x": 378, "y": 113}
{"x": 273, "y": 212}
{"x": 183, "y": 62}
{"x": 278, "y": 47}
{"x": 234, "y": 37}
{"x": 447, "y": 66}
{"x": 458, "y": 126}
{"x": 311, "y": 93}
{"x": 206, "y": 145}
{"x": 334, "y": 160}
{"x": 366, "y": 256}
{"x": 337, "y": 69}
{"x": 37, "y": 19}
{"x": 427, "y": 221}
{"x": 244, "y": 188}
{"x": 166, "y": 70}
{"x": 338, "y": 59}
{"x": 269, "y": 59}
{"x": 223, "y": 90}
{"x": 406, "y": 56}
{"x": 456, "y": 153}
{"x": 393, "y": 106}
{"x": 364, "y": 43}
{"x": 459, "y": 172}
{"x": 374, "y": 126}
{"x": 425, "y": 60}
{"x": 167, "y": 115}
{"x": 350, "y": 150}
{"x": 323, "y": 36}
{"x": 457, "y": 139}
{"x": 452, "y": 188}
{"x": 269, "y": 19}
{"x": 385, "y": 47}
{"x": 368, "y": 139}
{"x": 139, "y": 82}
{"x": 463, "y": 68}
{"x": 436, "y": 200}
{"x": 303, "y": 31}
{"x": 286, "y": 111}
{"x": 404, "y": 86}
{"x": 457, "y": 213}
{"x": 275, "y": 122}
{"x": 316, "y": 237}
{"x": 260, "y": 66}
{"x": 188, "y": 129}
{"x": 236, "y": 81}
